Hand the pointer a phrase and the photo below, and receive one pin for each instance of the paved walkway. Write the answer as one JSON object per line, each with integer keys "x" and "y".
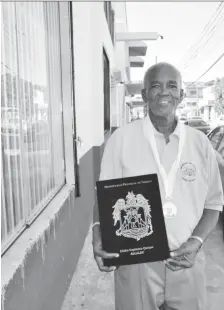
{"x": 92, "y": 290}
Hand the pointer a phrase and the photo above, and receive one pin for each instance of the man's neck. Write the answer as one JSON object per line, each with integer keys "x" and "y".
{"x": 164, "y": 125}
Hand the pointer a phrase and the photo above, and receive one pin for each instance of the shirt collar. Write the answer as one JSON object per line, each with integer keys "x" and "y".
{"x": 175, "y": 133}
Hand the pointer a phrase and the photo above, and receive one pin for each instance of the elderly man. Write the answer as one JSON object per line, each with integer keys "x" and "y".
{"x": 191, "y": 193}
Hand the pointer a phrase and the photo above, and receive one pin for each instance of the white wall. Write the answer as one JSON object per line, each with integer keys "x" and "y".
{"x": 91, "y": 34}
{"x": 122, "y": 59}
{"x": 209, "y": 93}
{"x": 122, "y": 48}
{"x": 118, "y": 108}
{"x": 120, "y": 16}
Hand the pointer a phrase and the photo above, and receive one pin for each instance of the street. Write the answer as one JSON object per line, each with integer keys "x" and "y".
{"x": 92, "y": 290}
{"x": 85, "y": 85}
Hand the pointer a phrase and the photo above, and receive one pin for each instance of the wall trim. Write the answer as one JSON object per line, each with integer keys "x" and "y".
{"x": 15, "y": 257}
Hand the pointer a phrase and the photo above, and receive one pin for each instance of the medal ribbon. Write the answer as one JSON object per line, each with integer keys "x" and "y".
{"x": 170, "y": 178}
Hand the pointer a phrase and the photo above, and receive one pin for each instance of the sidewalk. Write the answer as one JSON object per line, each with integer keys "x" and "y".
{"x": 91, "y": 289}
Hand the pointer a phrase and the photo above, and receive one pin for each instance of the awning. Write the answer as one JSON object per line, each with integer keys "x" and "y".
{"x": 137, "y": 48}
{"x": 135, "y": 104}
{"x": 132, "y": 36}
{"x": 136, "y": 62}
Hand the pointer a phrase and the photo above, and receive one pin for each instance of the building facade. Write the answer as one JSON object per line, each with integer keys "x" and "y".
{"x": 58, "y": 109}
{"x": 211, "y": 105}
{"x": 193, "y": 94}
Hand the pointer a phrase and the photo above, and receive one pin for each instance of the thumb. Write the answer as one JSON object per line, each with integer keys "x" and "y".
{"x": 183, "y": 250}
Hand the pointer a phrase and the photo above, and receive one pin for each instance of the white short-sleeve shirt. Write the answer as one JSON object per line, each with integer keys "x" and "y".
{"x": 198, "y": 183}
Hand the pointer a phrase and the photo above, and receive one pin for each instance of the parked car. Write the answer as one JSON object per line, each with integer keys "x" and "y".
{"x": 198, "y": 124}
{"x": 182, "y": 118}
{"x": 216, "y": 136}
{"x": 197, "y": 118}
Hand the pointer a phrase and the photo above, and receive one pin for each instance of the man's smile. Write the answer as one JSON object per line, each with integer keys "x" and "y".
{"x": 164, "y": 102}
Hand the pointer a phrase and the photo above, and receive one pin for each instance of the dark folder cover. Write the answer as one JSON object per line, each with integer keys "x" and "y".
{"x": 131, "y": 220}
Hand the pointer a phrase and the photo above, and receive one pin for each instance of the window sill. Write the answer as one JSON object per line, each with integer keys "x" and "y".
{"x": 16, "y": 255}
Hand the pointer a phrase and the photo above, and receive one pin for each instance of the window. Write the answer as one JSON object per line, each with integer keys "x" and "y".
{"x": 220, "y": 148}
{"x": 202, "y": 123}
{"x": 193, "y": 92}
{"x": 106, "y": 85}
{"x": 191, "y": 104}
{"x": 216, "y": 137}
{"x": 31, "y": 104}
{"x": 193, "y": 123}
{"x": 197, "y": 123}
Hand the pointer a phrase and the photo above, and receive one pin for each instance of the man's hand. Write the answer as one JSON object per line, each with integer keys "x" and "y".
{"x": 99, "y": 253}
{"x": 184, "y": 257}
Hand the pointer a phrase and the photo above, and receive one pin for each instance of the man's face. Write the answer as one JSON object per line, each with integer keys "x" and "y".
{"x": 163, "y": 91}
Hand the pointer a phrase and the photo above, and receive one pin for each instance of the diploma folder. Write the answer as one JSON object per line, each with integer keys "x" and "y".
{"x": 131, "y": 220}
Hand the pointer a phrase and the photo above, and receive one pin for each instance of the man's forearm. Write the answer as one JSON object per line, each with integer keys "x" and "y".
{"x": 95, "y": 213}
{"x": 206, "y": 224}
{"x": 96, "y": 229}
{"x": 96, "y": 210}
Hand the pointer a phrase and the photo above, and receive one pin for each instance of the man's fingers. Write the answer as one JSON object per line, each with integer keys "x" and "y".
{"x": 104, "y": 254}
{"x": 172, "y": 267}
{"x": 101, "y": 265}
{"x": 99, "y": 254}
{"x": 190, "y": 261}
{"x": 180, "y": 263}
{"x": 181, "y": 251}
{"x": 191, "y": 246}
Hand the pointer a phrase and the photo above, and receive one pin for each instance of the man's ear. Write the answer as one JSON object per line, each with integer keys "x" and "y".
{"x": 181, "y": 95}
{"x": 144, "y": 97}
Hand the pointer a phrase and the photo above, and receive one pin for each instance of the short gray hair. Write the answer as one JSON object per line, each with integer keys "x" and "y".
{"x": 157, "y": 67}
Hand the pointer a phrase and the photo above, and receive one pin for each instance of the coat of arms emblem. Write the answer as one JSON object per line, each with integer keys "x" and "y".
{"x": 134, "y": 216}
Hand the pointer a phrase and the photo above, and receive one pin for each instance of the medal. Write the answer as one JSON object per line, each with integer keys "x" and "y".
{"x": 169, "y": 208}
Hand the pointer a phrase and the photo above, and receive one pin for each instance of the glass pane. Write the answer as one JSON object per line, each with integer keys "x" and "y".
{"x": 55, "y": 95}
{"x": 221, "y": 147}
{"x": 192, "y": 123}
{"x": 31, "y": 106}
{"x": 38, "y": 39}
{"x": 11, "y": 127}
{"x": 216, "y": 138}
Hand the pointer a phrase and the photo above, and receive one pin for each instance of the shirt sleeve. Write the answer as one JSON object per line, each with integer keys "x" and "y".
{"x": 111, "y": 167}
{"x": 214, "y": 199}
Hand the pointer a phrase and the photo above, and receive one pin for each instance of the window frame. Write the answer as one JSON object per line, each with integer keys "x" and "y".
{"x": 106, "y": 92}
{"x": 68, "y": 124}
